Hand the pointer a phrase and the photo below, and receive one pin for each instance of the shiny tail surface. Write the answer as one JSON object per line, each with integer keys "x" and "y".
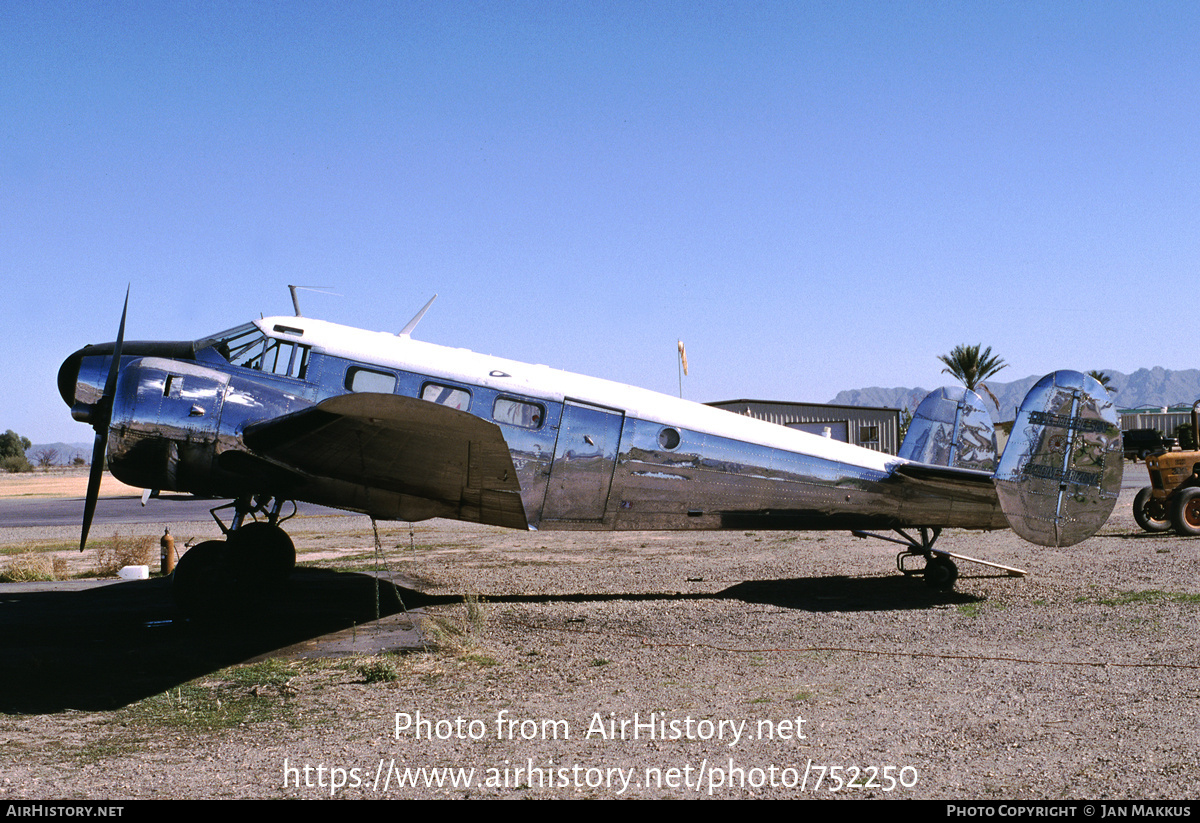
{"x": 1060, "y": 473}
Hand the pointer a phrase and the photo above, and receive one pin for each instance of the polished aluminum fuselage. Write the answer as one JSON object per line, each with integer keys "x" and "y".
{"x": 603, "y": 456}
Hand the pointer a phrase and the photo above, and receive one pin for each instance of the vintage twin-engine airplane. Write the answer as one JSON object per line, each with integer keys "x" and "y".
{"x": 288, "y": 409}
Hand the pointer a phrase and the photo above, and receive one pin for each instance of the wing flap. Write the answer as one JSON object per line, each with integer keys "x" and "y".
{"x": 401, "y": 445}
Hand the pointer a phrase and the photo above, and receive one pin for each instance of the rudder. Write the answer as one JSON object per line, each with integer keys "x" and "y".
{"x": 951, "y": 428}
{"x": 1060, "y": 473}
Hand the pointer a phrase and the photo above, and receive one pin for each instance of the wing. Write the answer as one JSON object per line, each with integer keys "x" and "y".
{"x": 418, "y": 458}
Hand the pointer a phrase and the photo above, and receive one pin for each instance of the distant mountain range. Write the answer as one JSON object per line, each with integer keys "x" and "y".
{"x": 1145, "y": 387}
{"x": 64, "y": 452}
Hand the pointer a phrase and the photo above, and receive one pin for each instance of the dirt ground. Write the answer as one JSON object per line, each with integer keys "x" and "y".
{"x": 663, "y": 665}
{"x": 59, "y": 482}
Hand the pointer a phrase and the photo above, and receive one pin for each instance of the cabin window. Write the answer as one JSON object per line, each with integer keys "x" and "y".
{"x": 365, "y": 380}
{"x": 286, "y": 359}
{"x": 518, "y": 413}
{"x": 242, "y": 346}
{"x": 254, "y": 350}
{"x": 450, "y": 396}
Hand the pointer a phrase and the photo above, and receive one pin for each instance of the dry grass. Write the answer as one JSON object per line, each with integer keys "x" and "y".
{"x": 28, "y": 567}
{"x": 460, "y": 634}
{"x": 25, "y": 568}
{"x": 124, "y": 551}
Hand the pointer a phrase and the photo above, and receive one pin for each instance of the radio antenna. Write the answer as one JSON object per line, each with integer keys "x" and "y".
{"x": 296, "y": 301}
{"x": 412, "y": 324}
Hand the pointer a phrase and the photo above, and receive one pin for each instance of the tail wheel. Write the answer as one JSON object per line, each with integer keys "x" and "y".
{"x": 940, "y": 573}
{"x": 1185, "y": 511}
{"x": 1151, "y": 514}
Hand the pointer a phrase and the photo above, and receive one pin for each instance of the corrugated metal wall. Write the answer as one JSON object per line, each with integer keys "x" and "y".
{"x": 860, "y": 422}
{"x": 1165, "y": 422}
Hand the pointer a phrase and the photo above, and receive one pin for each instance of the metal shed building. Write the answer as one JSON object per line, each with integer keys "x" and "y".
{"x": 1166, "y": 420}
{"x": 869, "y": 426}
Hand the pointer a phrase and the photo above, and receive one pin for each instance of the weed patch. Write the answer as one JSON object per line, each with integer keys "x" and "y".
{"x": 458, "y": 633}
{"x": 200, "y": 708}
{"x": 273, "y": 672}
{"x": 1150, "y": 596}
{"x": 36, "y": 547}
{"x": 240, "y": 696}
{"x": 124, "y": 551}
{"x": 25, "y": 568}
{"x": 481, "y": 659}
{"x": 378, "y": 670}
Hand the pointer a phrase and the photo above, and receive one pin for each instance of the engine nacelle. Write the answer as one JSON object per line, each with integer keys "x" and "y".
{"x": 166, "y": 424}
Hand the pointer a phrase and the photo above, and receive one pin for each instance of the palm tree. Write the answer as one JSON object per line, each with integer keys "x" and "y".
{"x": 971, "y": 367}
{"x": 1104, "y": 380}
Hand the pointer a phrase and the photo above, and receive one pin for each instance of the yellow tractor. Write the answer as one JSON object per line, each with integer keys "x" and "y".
{"x": 1172, "y": 500}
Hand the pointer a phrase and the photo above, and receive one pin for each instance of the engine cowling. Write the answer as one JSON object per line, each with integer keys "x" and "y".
{"x": 166, "y": 424}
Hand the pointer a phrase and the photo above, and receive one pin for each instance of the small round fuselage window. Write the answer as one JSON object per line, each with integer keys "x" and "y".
{"x": 668, "y": 438}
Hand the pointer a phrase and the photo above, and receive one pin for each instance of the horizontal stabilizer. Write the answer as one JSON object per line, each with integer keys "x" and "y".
{"x": 1060, "y": 474}
{"x": 961, "y": 484}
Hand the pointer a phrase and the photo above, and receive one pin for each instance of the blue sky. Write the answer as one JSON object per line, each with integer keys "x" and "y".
{"x": 813, "y": 196}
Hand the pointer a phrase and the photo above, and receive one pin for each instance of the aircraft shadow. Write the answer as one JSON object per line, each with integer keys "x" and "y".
{"x": 813, "y": 594}
{"x": 106, "y": 647}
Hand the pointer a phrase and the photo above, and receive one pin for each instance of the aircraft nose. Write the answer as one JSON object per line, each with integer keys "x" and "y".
{"x": 68, "y": 377}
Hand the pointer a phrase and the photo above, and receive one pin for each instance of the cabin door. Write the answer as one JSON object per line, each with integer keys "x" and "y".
{"x": 585, "y": 456}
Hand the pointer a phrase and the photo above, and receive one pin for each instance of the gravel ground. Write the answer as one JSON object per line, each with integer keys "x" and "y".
{"x": 672, "y": 665}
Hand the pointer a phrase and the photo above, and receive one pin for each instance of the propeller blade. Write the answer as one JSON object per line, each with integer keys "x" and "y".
{"x": 114, "y": 368}
{"x": 93, "y": 489}
{"x": 103, "y": 418}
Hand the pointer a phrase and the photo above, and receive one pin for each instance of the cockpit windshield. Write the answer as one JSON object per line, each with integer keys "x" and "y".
{"x": 248, "y": 347}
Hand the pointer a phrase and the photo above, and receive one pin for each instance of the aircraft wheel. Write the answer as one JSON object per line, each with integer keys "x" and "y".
{"x": 200, "y": 575}
{"x": 1185, "y": 511}
{"x": 263, "y": 553}
{"x": 940, "y": 573}
{"x": 1151, "y": 514}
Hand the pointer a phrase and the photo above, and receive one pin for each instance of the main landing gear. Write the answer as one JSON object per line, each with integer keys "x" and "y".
{"x": 253, "y": 556}
{"x": 939, "y": 570}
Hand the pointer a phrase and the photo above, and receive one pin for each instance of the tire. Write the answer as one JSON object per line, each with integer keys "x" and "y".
{"x": 1152, "y": 515}
{"x": 261, "y": 554}
{"x": 198, "y": 581}
{"x": 1185, "y": 511}
{"x": 940, "y": 573}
